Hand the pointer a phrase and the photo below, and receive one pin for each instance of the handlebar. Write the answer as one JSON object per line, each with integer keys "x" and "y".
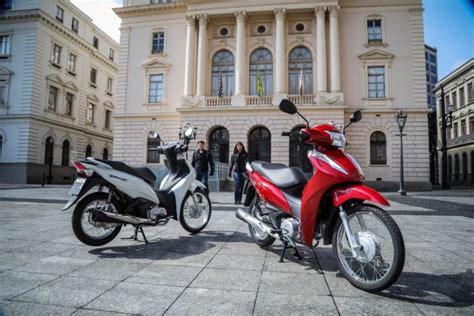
{"x": 290, "y": 134}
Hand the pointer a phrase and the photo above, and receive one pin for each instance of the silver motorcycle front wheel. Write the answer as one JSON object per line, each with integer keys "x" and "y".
{"x": 195, "y": 211}
{"x": 379, "y": 261}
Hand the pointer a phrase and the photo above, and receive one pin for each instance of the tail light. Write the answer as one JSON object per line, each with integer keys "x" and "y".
{"x": 79, "y": 166}
{"x": 81, "y": 169}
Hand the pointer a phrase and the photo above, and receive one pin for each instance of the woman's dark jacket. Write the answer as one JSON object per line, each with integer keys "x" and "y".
{"x": 238, "y": 161}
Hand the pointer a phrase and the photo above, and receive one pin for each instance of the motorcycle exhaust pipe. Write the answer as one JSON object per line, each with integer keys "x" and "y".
{"x": 107, "y": 217}
{"x": 255, "y": 222}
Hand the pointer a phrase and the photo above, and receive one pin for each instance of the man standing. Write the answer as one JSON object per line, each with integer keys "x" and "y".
{"x": 202, "y": 160}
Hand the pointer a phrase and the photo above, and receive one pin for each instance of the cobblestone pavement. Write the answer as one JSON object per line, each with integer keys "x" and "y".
{"x": 44, "y": 269}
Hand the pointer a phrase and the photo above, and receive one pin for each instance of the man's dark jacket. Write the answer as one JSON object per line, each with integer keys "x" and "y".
{"x": 202, "y": 161}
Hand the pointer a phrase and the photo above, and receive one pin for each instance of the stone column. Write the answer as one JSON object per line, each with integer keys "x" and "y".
{"x": 190, "y": 51}
{"x": 240, "y": 54}
{"x": 321, "y": 48}
{"x": 202, "y": 56}
{"x": 334, "y": 49}
{"x": 280, "y": 65}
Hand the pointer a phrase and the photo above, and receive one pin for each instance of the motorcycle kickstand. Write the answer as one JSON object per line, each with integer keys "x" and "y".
{"x": 295, "y": 253}
{"x": 135, "y": 234}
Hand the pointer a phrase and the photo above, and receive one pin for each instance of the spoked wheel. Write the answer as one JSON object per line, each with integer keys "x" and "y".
{"x": 379, "y": 262}
{"x": 195, "y": 211}
{"x": 261, "y": 238}
{"x": 88, "y": 230}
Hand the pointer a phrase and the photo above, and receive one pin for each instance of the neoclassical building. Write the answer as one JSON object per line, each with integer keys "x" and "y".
{"x": 224, "y": 66}
{"x": 459, "y": 97}
{"x": 57, "y": 90}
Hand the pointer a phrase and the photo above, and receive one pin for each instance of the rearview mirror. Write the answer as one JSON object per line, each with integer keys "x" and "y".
{"x": 356, "y": 116}
{"x": 287, "y": 106}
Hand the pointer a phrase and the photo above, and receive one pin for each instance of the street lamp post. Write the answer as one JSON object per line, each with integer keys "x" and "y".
{"x": 446, "y": 119}
{"x": 401, "y": 120}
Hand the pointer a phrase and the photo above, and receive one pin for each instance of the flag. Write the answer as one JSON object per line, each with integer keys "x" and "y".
{"x": 301, "y": 84}
{"x": 259, "y": 85}
{"x": 220, "y": 89}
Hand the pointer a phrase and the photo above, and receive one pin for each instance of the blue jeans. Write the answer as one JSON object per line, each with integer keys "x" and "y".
{"x": 238, "y": 186}
{"x": 202, "y": 176}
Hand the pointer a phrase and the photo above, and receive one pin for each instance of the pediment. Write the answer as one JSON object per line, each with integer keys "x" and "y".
{"x": 109, "y": 104}
{"x": 156, "y": 63}
{"x": 92, "y": 97}
{"x": 5, "y": 72}
{"x": 55, "y": 78}
{"x": 376, "y": 54}
{"x": 71, "y": 85}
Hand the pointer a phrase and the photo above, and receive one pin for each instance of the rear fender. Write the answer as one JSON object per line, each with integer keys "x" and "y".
{"x": 88, "y": 185}
{"x": 357, "y": 192}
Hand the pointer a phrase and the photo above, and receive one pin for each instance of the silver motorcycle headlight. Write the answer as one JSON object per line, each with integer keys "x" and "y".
{"x": 356, "y": 163}
{"x": 338, "y": 139}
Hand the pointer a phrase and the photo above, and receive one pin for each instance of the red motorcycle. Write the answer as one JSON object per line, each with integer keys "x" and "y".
{"x": 333, "y": 206}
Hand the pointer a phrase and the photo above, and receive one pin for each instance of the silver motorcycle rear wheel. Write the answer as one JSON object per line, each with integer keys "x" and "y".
{"x": 379, "y": 262}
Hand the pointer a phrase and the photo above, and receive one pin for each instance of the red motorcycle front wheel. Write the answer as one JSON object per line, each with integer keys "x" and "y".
{"x": 380, "y": 260}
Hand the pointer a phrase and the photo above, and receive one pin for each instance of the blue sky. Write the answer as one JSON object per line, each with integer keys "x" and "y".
{"x": 448, "y": 24}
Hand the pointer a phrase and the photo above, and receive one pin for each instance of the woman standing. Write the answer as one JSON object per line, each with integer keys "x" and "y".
{"x": 237, "y": 165}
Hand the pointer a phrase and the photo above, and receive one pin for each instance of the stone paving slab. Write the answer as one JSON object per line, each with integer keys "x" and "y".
{"x": 219, "y": 271}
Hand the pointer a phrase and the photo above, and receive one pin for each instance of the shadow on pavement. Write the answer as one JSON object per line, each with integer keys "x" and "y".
{"x": 159, "y": 248}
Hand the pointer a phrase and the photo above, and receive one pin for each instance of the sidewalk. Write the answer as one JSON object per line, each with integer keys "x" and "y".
{"x": 59, "y": 194}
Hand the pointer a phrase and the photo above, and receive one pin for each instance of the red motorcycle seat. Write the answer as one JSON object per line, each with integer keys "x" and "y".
{"x": 279, "y": 174}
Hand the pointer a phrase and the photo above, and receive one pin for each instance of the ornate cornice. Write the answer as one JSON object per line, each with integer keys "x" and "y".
{"x": 147, "y": 9}
{"x": 42, "y": 17}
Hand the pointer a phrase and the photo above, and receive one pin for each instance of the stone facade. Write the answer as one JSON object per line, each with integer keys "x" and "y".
{"x": 39, "y": 80}
{"x": 345, "y": 40}
{"x": 458, "y": 92}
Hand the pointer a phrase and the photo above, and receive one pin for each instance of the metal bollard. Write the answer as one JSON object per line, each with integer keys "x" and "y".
{"x": 42, "y": 179}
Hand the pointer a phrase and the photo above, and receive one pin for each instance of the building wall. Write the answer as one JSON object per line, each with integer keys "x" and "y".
{"x": 25, "y": 120}
{"x": 402, "y": 54}
{"x": 462, "y": 143}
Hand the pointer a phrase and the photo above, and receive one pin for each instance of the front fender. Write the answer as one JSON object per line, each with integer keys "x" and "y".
{"x": 357, "y": 192}
{"x": 197, "y": 184}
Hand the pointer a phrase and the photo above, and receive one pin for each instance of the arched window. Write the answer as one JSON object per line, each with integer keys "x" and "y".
{"x": 152, "y": 156}
{"x": 261, "y": 65}
{"x": 300, "y": 67}
{"x": 65, "y": 153}
{"x": 464, "y": 166}
{"x": 49, "y": 151}
{"x": 450, "y": 168}
{"x": 223, "y": 67}
{"x": 456, "y": 167}
{"x": 260, "y": 144}
{"x": 219, "y": 144}
{"x": 88, "y": 151}
{"x": 299, "y": 153}
{"x": 378, "y": 148}
{"x": 105, "y": 154}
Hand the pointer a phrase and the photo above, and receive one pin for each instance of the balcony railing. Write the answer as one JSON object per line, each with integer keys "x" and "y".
{"x": 218, "y": 102}
{"x": 302, "y": 99}
{"x": 258, "y": 101}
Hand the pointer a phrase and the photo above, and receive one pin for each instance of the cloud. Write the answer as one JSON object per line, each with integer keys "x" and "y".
{"x": 100, "y": 11}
